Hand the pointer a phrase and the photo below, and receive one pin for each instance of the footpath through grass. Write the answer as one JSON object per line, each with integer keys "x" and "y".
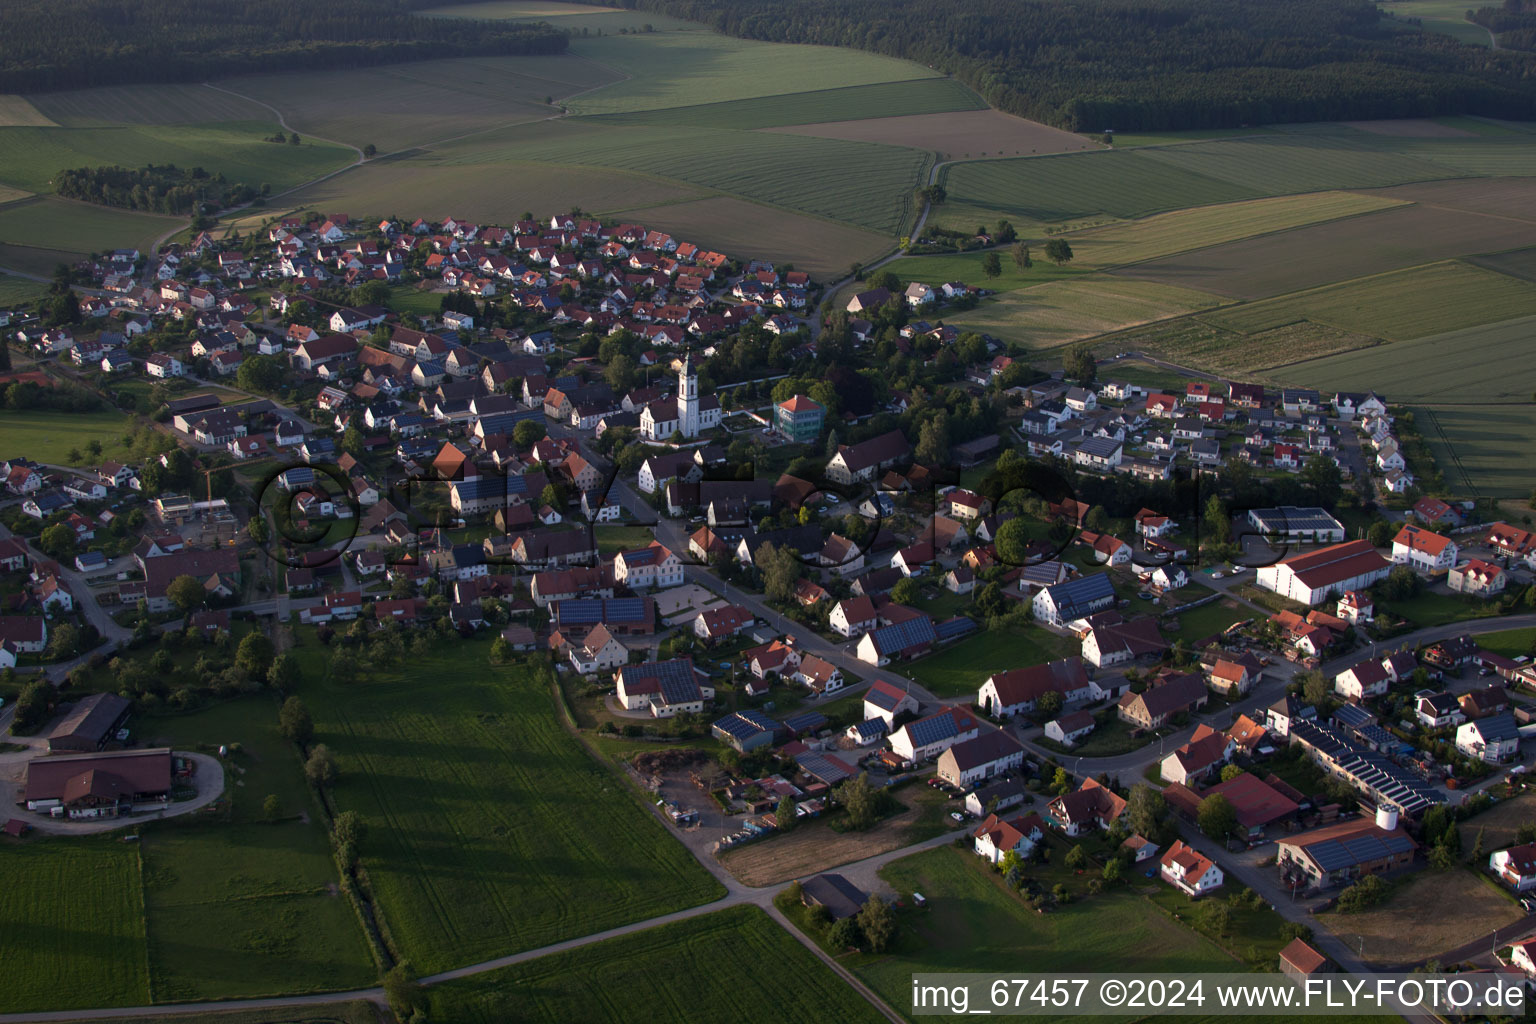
{"x": 490, "y": 829}
{"x": 732, "y": 967}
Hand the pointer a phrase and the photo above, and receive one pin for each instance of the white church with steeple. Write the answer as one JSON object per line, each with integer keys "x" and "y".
{"x": 687, "y": 413}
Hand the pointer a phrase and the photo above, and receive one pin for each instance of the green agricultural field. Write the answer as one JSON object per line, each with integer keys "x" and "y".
{"x": 1077, "y": 185}
{"x": 1448, "y": 17}
{"x": 1058, "y": 312}
{"x": 243, "y": 906}
{"x": 1189, "y": 341}
{"x": 736, "y": 966}
{"x": 147, "y": 104}
{"x": 1134, "y": 140}
{"x": 490, "y": 829}
{"x": 74, "y": 924}
{"x": 859, "y": 183}
{"x": 575, "y": 18}
{"x": 48, "y": 436}
{"x": 1481, "y": 449}
{"x": 30, "y": 157}
{"x": 962, "y": 667}
{"x": 1494, "y": 363}
{"x": 935, "y": 270}
{"x": 1283, "y": 163}
{"x": 403, "y": 105}
{"x": 972, "y": 924}
{"x": 356, "y": 1012}
{"x": 1404, "y": 304}
{"x": 887, "y": 99}
{"x": 1205, "y": 226}
{"x": 57, "y": 224}
{"x": 678, "y": 69}
{"x": 15, "y": 291}
{"x": 11, "y": 195}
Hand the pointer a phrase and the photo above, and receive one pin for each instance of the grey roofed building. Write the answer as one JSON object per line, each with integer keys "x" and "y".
{"x": 90, "y": 723}
{"x": 841, "y": 897}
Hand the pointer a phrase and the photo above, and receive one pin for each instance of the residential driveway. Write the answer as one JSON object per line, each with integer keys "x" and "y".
{"x": 208, "y": 781}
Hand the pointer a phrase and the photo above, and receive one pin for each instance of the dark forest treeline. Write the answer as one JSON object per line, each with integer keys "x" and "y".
{"x": 1091, "y": 65}
{"x": 154, "y": 189}
{"x": 72, "y": 44}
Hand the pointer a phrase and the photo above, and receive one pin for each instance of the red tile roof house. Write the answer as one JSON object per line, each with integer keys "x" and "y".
{"x": 1005, "y": 694}
{"x": 1516, "y": 866}
{"x": 720, "y": 623}
{"x": 1087, "y": 809}
{"x": 1189, "y": 870}
{"x": 997, "y": 836}
{"x": 1206, "y": 750}
{"x": 1424, "y": 550}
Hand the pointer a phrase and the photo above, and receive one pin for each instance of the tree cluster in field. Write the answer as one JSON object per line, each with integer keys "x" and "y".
{"x": 1159, "y": 65}
{"x": 153, "y": 189}
{"x": 74, "y": 44}
{"x": 872, "y": 928}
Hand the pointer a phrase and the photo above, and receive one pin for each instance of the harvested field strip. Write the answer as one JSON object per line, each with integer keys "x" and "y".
{"x": 1392, "y": 239}
{"x": 19, "y": 111}
{"x": 1498, "y": 197}
{"x": 958, "y": 135}
{"x": 1191, "y": 341}
{"x": 856, "y": 182}
{"x": 1057, "y": 188}
{"x": 678, "y": 69}
{"x": 1198, "y": 228}
{"x": 1055, "y": 313}
{"x": 1519, "y": 263}
{"x": 1280, "y": 164}
{"x": 1400, "y": 305}
{"x": 147, "y": 104}
{"x": 883, "y": 100}
{"x": 1492, "y": 157}
{"x": 1492, "y": 363}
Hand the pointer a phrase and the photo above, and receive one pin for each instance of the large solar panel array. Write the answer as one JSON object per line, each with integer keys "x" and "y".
{"x": 1291, "y": 519}
{"x": 932, "y": 729}
{"x": 1077, "y": 597}
{"x": 823, "y": 768}
{"x": 898, "y": 636}
{"x": 1334, "y": 854}
{"x": 958, "y": 626}
{"x": 587, "y": 611}
{"x": 746, "y": 724}
{"x": 1354, "y": 716}
{"x": 1390, "y": 782}
{"x": 805, "y": 721}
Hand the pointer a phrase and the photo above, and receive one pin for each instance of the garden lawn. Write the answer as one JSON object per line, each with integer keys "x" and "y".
{"x": 491, "y": 829}
{"x": 48, "y": 436}
{"x": 736, "y": 966}
{"x": 1209, "y": 619}
{"x": 1512, "y": 643}
{"x": 74, "y": 924}
{"x": 18, "y": 290}
{"x": 963, "y": 667}
{"x": 973, "y": 924}
{"x": 1428, "y": 608}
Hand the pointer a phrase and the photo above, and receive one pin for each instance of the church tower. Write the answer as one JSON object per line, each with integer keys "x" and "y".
{"x": 688, "y": 398}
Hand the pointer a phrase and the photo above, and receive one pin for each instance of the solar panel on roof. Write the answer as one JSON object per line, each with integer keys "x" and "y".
{"x": 951, "y": 628}
{"x": 805, "y": 720}
{"x": 931, "y": 730}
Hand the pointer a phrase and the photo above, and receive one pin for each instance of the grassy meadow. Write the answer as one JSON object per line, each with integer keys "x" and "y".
{"x": 735, "y": 966}
{"x": 918, "y": 96}
{"x": 241, "y": 906}
{"x": 962, "y": 667}
{"x": 74, "y": 924}
{"x": 48, "y": 436}
{"x": 1058, "y": 312}
{"x": 1482, "y": 449}
{"x": 490, "y": 829}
